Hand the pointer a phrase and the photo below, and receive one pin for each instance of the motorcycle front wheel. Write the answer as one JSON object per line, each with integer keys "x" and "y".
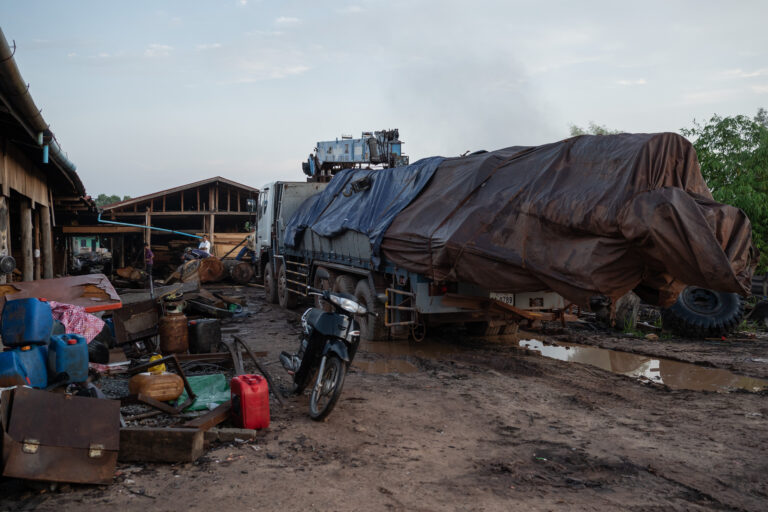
{"x": 327, "y": 389}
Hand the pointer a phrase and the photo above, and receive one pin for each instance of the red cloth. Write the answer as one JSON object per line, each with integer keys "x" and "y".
{"x": 76, "y": 320}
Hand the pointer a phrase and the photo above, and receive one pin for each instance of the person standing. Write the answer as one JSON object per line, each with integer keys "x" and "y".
{"x": 205, "y": 246}
{"x": 149, "y": 260}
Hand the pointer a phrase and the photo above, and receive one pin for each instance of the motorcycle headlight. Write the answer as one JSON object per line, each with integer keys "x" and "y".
{"x": 349, "y": 305}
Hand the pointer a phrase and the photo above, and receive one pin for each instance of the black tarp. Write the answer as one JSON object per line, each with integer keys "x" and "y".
{"x": 585, "y": 216}
{"x": 339, "y": 207}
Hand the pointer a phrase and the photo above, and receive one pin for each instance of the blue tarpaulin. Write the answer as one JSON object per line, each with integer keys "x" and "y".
{"x": 361, "y": 200}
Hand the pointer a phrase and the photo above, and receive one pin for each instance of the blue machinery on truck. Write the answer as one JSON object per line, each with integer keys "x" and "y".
{"x": 372, "y": 148}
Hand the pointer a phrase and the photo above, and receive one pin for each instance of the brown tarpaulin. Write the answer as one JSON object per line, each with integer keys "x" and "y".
{"x": 586, "y": 216}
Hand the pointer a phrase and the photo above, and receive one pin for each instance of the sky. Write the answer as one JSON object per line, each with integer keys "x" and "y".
{"x": 147, "y": 95}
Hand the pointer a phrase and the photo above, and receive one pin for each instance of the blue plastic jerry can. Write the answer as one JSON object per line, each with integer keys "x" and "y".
{"x": 68, "y": 353}
{"x": 12, "y": 372}
{"x": 34, "y": 358}
{"x": 26, "y": 322}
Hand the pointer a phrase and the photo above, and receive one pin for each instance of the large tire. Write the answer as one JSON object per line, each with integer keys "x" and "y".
{"x": 321, "y": 403}
{"x": 287, "y": 299}
{"x": 371, "y": 327}
{"x": 702, "y": 313}
{"x": 324, "y": 280}
{"x": 345, "y": 284}
{"x": 270, "y": 290}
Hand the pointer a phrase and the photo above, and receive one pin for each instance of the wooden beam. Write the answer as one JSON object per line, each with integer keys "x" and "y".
{"x": 238, "y": 200}
{"x": 229, "y": 193}
{"x": 47, "y": 241}
{"x": 160, "y": 444}
{"x": 163, "y": 203}
{"x": 198, "y": 199}
{"x": 182, "y": 200}
{"x": 178, "y": 214}
{"x": 147, "y": 231}
{"x": 211, "y": 418}
{"x": 5, "y": 232}
{"x": 211, "y": 232}
{"x": 99, "y": 230}
{"x": 27, "y": 267}
{"x": 36, "y": 242}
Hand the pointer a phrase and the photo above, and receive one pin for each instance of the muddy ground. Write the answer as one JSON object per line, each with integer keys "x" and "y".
{"x": 480, "y": 425}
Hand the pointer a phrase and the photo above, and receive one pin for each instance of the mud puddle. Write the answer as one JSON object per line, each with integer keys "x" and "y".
{"x": 395, "y": 355}
{"x": 675, "y": 374}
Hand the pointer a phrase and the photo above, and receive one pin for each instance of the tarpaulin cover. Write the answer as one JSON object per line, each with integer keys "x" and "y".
{"x": 588, "y": 215}
{"x": 349, "y": 203}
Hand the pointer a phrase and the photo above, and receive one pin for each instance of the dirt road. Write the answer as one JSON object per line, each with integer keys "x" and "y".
{"x": 475, "y": 426}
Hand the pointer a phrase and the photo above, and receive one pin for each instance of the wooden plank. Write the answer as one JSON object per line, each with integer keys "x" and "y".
{"x": 211, "y": 418}
{"x": 27, "y": 270}
{"x": 5, "y": 231}
{"x": 198, "y": 199}
{"x": 139, "y": 444}
{"x": 182, "y": 200}
{"x": 36, "y": 242}
{"x": 229, "y": 193}
{"x": 47, "y": 241}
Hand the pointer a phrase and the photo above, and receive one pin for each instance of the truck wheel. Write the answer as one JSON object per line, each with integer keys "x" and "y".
{"x": 371, "y": 327}
{"x": 270, "y": 290}
{"x": 703, "y": 313}
{"x": 286, "y": 298}
{"x": 324, "y": 280}
{"x": 345, "y": 284}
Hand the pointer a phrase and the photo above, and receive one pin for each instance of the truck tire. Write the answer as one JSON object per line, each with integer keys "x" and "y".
{"x": 371, "y": 327}
{"x": 270, "y": 290}
{"x": 345, "y": 284}
{"x": 324, "y": 280}
{"x": 703, "y": 313}
{"x": 287, "y": 299}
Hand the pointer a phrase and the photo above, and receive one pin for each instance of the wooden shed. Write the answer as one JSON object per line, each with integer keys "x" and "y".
{"x": 216, "y": 206}
{"x": 39, "y": 188}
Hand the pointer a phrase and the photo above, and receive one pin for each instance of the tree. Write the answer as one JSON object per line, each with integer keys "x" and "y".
{"x": 592, "y": 129}
{"x": 104, "y": 199}
{"x": 733, "y": 154}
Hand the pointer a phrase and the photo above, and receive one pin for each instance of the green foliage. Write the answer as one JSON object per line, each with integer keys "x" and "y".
{"x": 733, "y": 153}
{"x": 104, "y": 199}
{"x": 592, "y": 129}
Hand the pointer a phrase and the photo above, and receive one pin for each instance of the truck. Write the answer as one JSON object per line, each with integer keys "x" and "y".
{"x": 520, "y": 234}
{"x": 405, "y": 302}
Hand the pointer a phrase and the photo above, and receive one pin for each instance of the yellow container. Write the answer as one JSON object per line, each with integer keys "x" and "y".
{"x": 158, "y": 368}
{"x": 160, "y": 386}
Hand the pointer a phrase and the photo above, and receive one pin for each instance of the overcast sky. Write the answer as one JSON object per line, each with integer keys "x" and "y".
{"x": 145, "y": 95}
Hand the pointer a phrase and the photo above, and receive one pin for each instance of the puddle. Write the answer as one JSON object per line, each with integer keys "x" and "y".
{"x": 424, "y": 349}
{"x": 675, "y": 374}
{"x": 385, "y": 366}
{"x": 397, "y": 352}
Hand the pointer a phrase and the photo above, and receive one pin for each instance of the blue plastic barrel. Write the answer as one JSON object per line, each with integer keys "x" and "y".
{"x": 12, "y": 372}
{"x": 25, "y": 322}
{"x": 68, "y": 353}
{"x": 34, "y": 359}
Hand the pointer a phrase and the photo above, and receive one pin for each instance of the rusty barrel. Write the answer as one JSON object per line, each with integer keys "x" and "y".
{"x": 174, "y": 338}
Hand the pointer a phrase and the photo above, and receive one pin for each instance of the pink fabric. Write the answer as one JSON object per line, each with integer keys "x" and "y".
{"x": 76, "y": 320}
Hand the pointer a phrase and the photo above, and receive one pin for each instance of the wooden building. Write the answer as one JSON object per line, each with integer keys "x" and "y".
{"x": 216, "y": 206}
{"x": 39, "y": 188}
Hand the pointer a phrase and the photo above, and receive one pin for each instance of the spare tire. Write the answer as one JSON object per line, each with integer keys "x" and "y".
{"x": 703, "y": 313}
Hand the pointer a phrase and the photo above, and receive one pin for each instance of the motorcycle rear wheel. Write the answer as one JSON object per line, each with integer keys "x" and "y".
{"x": 322, "y": 401}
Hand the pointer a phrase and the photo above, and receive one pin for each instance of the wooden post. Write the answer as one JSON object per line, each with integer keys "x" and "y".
{"x": 229, "y": 193}
{"x": 27, "y": 265}
{"x": 148, "y": 232}
{"x": 47, "y": 241}
{"x": 5, "y": 232}
{"x": 182, "y": 200}
{"x": 211, "y": 200}
{"x": 198, "y": 199}
{"x": 211, "y": 232}
{"x": 238, "y": 200}
{"x": 163, "y": 203}
{"x": 36, "y": 241}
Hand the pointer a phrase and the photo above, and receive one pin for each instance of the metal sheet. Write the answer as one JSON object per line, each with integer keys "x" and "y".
{"x": 94, "y": 292}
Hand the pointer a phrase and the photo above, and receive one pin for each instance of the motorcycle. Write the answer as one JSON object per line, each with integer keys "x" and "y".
{"x": 328, "y": 345}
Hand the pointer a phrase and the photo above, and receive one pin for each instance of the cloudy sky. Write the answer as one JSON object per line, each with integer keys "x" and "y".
{"x": 145, "y": 95}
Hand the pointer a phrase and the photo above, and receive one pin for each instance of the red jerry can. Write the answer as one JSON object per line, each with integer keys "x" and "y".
{"x": 250, "y": 401}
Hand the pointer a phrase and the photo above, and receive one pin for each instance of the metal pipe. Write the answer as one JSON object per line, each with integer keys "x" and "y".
{"x": 99, "y": 219}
